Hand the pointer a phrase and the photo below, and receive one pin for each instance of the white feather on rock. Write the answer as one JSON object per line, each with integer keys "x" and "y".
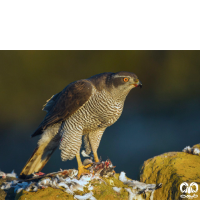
{"x": 122, "y": 177}
{"x": 84, "y": 197}
{"x": 117, "y": 189}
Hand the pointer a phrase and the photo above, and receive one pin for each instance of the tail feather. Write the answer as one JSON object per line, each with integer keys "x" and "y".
{"x": 47, "y": 144}
{"x": 38, "y": 131}
{"x": 36, "y": 162}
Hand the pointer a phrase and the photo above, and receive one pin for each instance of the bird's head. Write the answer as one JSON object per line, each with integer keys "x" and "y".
{"x": 121, "y": 83}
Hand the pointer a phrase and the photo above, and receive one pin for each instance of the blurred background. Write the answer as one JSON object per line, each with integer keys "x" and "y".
{"x": 163, "y": 116}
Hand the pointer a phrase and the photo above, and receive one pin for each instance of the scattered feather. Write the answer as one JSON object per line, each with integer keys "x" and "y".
{"x": 12, "y": 174}
{"x": 131, "y": 195}
{"x": 84, "y": 154}
{"x": 67, "y": 181}
{"x": 122, "y": 177}
{"x": 46, "y": 181}
{"x": 92, "y": 198}
{"x": 35, "y": 188}
{"x": 187, "y": 149}
{"x": 84, "y": 197}
{"x": 61, "y": 184}
{"x": 196, "y": 151}
{"x": 90, "y": 187}
{"x": 6, "y": 186}
{"x": 73, "y": 174}
{"x": 19, "y": 190}
{"x": 80, "y": 182}
{"x": 2, "y": 174}
{"x": 54, "y": 183}
{"x": 69, "y": 191}
{"x": 191, "y": 150}
{"x": 138, "y": 188}
{"x": 111, "y": 182}
{"x": 75, "y": 186}
{"x": 86, "y": 178}
{"x": 117, "y": 189}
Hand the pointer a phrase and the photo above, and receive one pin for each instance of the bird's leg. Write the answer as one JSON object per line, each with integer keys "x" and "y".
{"x": 81, "y": 168}
{"x": 95, "y": 138}
{"x": 96, "y": 159}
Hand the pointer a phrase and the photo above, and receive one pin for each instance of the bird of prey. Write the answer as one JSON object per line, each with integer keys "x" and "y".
{"x": 84, "y": 108}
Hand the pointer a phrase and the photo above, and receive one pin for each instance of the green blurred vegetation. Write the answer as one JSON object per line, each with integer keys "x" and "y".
{"x": 156, "y": 119}
{"x": 29, "y": 78}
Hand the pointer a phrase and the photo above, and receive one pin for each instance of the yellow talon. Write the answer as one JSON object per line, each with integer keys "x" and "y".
{"x": 82, "y": 170}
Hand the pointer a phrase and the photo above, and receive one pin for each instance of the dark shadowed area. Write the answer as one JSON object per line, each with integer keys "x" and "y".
{"x": 163, "y": 116}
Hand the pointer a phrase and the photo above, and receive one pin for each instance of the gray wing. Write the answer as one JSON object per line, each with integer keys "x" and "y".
{"x": 64, "y": 104}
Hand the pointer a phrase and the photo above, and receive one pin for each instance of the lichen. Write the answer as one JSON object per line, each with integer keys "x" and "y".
{"x": 47, "y": 193}
{"x": 102, "y": 190}
{"x": 171, "y": 169}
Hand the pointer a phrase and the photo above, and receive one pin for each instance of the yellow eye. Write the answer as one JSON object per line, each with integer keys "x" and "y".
{"x": 126, "y": 79}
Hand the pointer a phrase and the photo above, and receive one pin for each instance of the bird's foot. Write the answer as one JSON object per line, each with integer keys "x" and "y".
{"x": 82, "y": 170}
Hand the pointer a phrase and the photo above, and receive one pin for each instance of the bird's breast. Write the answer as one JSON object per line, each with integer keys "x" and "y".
{"x": 100, "y": 111}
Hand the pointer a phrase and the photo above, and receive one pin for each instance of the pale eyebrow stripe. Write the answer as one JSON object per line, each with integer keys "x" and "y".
{"x": 122, "y": 76}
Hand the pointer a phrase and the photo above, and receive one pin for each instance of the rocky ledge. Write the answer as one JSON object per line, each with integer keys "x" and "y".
{"x": 161, "y": 178}
{"x": 101, "y": 183}
{"x": 172, "y": 169}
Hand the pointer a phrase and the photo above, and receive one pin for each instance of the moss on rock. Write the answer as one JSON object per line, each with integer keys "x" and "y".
{"x": 101, "y": 191}
{"x": 171, "y": 169}
{"x": 47, "y": 193}
{"x": 2, "y": 192}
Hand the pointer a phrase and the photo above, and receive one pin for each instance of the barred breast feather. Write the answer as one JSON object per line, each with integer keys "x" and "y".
{"x": 99, "y": 112}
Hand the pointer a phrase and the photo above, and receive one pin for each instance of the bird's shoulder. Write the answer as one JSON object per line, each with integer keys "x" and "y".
{"x": 62, "y": 105}
{"x": 79, "y": 91}
{"x": 70, "y": 99}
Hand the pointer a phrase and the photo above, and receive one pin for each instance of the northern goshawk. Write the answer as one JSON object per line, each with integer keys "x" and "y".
{"x": 85, "y": 108}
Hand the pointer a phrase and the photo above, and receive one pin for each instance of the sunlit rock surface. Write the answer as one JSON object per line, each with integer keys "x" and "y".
{"x": 100, "y": 188}
{"x": 172, "y": 169}
{"x": 100, "y": 183}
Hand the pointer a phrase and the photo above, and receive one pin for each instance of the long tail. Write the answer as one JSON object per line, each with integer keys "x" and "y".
{"x": 36, "y": 162}
{"x": 42, "y": 153}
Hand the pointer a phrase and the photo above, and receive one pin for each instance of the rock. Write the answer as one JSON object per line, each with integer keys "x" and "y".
{"x": 101, "y": 182}
{"x": 100, "y": 190}
{"x": 172, "y": 169}
{"x": 9, "y": 194}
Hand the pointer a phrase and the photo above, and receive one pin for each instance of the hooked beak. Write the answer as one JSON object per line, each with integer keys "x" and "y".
{"x": 138, "y": 84}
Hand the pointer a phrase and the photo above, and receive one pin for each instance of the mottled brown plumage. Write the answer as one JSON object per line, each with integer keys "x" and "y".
{"x": 85, "y": 107}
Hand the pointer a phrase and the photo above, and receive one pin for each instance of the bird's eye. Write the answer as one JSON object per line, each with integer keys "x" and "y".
{"x": 126, "y": 79}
